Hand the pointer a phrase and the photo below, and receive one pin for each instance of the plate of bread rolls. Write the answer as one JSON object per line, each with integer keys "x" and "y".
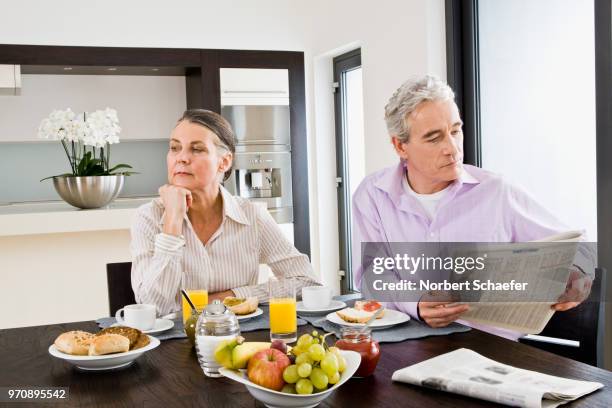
{"x": 110, "y": 348}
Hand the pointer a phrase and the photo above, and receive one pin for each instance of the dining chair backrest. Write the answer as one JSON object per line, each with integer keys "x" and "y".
{"x": 120, "y": 293}
{"x": 583, "y": 323}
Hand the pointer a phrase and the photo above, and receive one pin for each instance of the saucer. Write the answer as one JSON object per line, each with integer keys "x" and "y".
{"x": 161, "y": 325}
{"x": 334, "y": 305}
{"x": 250, "y": 315}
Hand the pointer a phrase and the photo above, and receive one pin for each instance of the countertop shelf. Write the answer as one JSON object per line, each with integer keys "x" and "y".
{"x": 59, "y": 217}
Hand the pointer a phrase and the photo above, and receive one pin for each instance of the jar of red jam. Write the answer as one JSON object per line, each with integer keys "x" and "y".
{"x": 352, "y": 338}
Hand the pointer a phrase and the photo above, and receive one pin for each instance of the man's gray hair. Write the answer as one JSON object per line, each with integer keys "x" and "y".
{"x": 406, "y": 99}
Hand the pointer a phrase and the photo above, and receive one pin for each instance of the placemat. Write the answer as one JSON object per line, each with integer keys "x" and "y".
{"x": 261, "y": 322}
{"x": 412, "y": 329}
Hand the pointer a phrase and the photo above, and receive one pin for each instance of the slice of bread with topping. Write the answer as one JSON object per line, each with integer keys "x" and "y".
{"x": 369, "y": 306}
{"x": 352, "y": 315}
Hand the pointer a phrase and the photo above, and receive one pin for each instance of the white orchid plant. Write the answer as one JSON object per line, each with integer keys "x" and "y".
{"x": 86, "y": 139}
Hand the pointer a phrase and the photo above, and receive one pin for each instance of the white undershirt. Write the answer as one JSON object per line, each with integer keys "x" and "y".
{"x": 428, "y": 201}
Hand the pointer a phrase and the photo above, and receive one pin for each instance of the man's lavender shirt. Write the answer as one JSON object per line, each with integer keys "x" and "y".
{"x": 480, "y": 206}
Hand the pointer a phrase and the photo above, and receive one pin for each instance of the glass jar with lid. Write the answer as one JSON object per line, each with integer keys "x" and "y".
{"x": 215, "y": 324}
{"x": 360, "y": 340}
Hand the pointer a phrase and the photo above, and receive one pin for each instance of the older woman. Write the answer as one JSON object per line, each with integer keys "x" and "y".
{"x": 197, "y": 235}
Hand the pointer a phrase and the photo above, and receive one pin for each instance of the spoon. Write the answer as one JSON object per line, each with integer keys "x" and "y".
{"x": 193, "y": 308}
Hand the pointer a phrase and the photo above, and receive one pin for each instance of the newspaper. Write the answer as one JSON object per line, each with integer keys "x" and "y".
{"x": 466, "y": 372}
{"x": 546, "y": 268}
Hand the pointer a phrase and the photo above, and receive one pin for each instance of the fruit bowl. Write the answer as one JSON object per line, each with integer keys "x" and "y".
{"x": 277, "y": 399}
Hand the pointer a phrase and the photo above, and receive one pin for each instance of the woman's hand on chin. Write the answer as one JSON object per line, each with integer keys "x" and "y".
{"x": 177, "y": 201}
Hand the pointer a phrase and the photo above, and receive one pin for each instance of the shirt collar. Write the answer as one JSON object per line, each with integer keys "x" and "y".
{"x": 231, "y": 208}
{"x": 391, "y": 181}
{"x": 467, "y": 178}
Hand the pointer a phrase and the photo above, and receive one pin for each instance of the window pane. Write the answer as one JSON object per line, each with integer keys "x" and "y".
{"x": 355, "y": 145}
{"x": 538, "y": 102}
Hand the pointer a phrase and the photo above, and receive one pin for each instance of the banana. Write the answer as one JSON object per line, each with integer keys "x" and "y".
{"x": 235, "y": 353}
{"x": 223, "y": 351}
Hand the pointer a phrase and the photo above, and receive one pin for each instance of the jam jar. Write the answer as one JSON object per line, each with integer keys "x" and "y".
{"x": 355, "y": 339}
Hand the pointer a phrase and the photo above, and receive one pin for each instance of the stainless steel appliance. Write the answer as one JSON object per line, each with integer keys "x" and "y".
{"x": 267, "y": 126}
{"x": 262, "y": 164}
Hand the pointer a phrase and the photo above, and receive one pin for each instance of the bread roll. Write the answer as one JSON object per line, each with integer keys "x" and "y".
{"x": 241, "y": 306}
{"x": 74, "y": 342}
{"x": 142, "y": 341}
{"x": 132, "y": 334}
{"x": 108, "y": 344}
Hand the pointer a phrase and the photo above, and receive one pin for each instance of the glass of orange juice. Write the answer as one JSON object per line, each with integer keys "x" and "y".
{"x": 283, "y": 315}
{"x": 199, "y": 297}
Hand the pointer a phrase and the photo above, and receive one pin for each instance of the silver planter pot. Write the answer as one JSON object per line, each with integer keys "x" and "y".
{"x": 88, "y": 192}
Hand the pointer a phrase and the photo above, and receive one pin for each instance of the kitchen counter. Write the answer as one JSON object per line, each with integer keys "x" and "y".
{"x": 60, "y": 252}
{"x": 58, "y": 217}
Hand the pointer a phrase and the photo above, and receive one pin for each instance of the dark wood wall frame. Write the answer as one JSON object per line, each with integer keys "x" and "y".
{"x": 342, "y": 64}
{"x": 603, "y": 126}
{"x": 462, "y": 71}
{"x": 201, "y": 70}
{"x": 98, "y": 56}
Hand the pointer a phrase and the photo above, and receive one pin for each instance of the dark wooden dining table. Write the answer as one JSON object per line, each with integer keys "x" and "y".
{"x": 170, "y": 375}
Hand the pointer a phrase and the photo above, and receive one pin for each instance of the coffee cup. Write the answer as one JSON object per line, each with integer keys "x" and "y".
{"x": 316, "y": 297}
{"x": 139, "y": 316}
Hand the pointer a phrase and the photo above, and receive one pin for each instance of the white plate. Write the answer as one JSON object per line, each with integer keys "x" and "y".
{"x": 279, "y": 399}
{"x": 106, "y": 362}
{"x": 335, "y": 305}
{"x": 250, "y": 315}
{"x": 161, "y": 325}
{"x": 391, "y": 318}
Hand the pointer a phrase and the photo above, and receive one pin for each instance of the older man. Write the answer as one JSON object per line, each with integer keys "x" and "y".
{"x": 431, "y": 196}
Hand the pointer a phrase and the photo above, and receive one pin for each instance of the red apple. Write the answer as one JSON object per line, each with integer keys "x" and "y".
{"x": 266, "y": 368}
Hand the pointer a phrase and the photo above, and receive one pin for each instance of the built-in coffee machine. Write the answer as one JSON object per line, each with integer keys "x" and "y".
{"x": 258, "y": 110}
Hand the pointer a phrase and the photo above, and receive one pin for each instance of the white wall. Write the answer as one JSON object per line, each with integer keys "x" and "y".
{"x": 237, "y": 24}
{"x": 537, "y": 62}
{"x": 55, "y": 278}
{"x": 399, "y": 38}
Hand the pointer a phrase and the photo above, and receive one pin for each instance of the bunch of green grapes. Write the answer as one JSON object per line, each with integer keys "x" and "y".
{"x": 316, "y": 365}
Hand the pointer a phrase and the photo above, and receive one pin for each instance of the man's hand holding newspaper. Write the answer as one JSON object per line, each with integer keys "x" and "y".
{"x": 577, "y": 290}
{"x": 554, "y": 282}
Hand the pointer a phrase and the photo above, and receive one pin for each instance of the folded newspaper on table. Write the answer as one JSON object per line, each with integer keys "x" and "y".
{"x": 545, "y": 266}
{"x": 468, "y": 373}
